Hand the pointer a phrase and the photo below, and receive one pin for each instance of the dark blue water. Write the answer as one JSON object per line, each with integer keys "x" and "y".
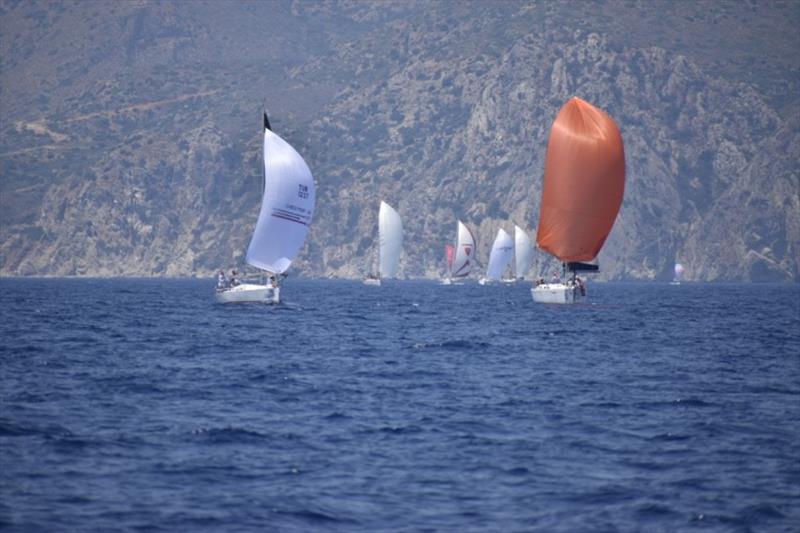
{"x": 142, "y": 405}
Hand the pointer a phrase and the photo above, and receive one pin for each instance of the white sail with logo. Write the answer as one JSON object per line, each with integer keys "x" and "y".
{"x": 465, "y": 252}
{"x": 390, "y": 230}
{"x": 286, "y": 207}
{"x": 500, "y": 256}
{"x": 523, "y": 252}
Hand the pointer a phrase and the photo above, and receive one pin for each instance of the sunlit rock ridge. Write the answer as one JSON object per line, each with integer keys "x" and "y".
{"x": 131, "y": 131}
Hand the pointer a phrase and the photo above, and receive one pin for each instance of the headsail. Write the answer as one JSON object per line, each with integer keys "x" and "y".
{"x": 523, "y": 252}
{"x": 450, "y": 255}
{"x": 465, "y": 251}
{"x": 584, "y": 181}
{"x": 679, "y": 270}
{"x": 286, "y": 207}
{"x": 502, "y": 251}
{"x": 390, "y": 229}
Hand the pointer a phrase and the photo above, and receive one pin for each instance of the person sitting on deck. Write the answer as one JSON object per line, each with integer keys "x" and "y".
{"x": 581, "y": 286}
{"x": 234, "y": 281}
{"x": 555, "y": 279}
{"x": 222, "y": 281}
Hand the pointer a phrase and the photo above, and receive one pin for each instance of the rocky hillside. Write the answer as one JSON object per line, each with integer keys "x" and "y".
{"x": 130, "y": 132}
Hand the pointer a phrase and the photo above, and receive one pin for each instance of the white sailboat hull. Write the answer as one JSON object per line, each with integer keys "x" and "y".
{"x": 372, "y": 281}
{"x": 557, "y": 293}
{"x": 250, "y": 292}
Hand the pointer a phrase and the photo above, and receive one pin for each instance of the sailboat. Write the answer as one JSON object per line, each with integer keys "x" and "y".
{"x": 584, "y": 181}
{"x": 678, "y": 274}
{"x": 390, "y": 239}
{"x": 464, "y": 254}
{"x": 287, "y": 207}
{"x": 500, "y": 256}
{"x": 523, "y": 253}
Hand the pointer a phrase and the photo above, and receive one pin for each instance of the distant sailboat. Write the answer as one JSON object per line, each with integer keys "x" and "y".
{"x": 523, "y": 253}
{"x": 584, "y": 181}
{"x": 390, "y": 239}
{"x": 464, "y": 254}
{"x": 500, "y": 256}
{"x": 679, "y": 270}
{"x": 287, "y": 207}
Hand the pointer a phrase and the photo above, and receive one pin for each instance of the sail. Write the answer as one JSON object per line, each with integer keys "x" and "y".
{"x": 450, "y": 255}
{"x": 523, "y": 252}
{"x": 584, "y": 180}
{"x": 500, "y": 256}
{"x": 465, "y": 251}
{"x": 390, "y": 230}
{"x": 678, "y": 271}
{"x": 286, "y": 207}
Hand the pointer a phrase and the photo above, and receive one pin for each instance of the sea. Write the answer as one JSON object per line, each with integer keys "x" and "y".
{"x": 142, "y": 405}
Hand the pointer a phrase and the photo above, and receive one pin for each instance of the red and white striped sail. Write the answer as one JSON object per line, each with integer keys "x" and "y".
{"x": 465, "y": 252}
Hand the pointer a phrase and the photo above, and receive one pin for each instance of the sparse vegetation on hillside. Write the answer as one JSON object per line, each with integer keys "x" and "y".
{"x": 129, "y": 141}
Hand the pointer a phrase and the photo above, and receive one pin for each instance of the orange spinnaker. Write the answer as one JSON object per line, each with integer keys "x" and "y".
{"x": 584, "y": 180}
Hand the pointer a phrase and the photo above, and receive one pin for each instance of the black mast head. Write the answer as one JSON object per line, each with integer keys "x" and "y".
{"x": 266, "y": 122}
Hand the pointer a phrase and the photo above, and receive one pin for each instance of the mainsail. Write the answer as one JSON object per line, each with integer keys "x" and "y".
{"x": 502, "y": 251}
{"x": 523, "y": 252}
{"x": 465, "y": 251}
{"x": 286, "y": 207}
{"x": 390, "y": 230}
{"x": 584, "y": 180}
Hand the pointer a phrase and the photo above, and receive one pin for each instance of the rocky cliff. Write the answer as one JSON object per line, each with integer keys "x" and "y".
{"x": 130, "y": 134}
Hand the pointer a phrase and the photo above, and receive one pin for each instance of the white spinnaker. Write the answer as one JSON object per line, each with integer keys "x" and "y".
{"x": 523, "y": 252}
{"x": 390, "y": 230}
{"x": 286, "y": 208}
{"x": 465, "y": 251}
{"x": 502, "y": 251}
{"x": 678, "y": 271}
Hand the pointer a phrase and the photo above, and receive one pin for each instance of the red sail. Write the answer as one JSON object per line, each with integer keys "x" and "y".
{"x": 584, "y": 180}
{"x": 450, "y": 253}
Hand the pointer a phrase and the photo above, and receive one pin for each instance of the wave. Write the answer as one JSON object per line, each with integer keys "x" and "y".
{"x": 9, "y": 428}
{"x": 451, "y": 345}
{"x": 229, "y": 434}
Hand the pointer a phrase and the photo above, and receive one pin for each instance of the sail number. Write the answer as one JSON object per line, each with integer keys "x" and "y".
{"x": 302, "y": 191}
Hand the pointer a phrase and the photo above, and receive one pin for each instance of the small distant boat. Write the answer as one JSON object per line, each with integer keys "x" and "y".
{"x": 390, "y": 239}
{"x": 679, "y": 270}
{"x": 464, "y": 255}
{"x": 523, "y": 253}
{"x": 584, "y": 181}
{"x": 499, "y": 258}
{"x": 287, "y": 207}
